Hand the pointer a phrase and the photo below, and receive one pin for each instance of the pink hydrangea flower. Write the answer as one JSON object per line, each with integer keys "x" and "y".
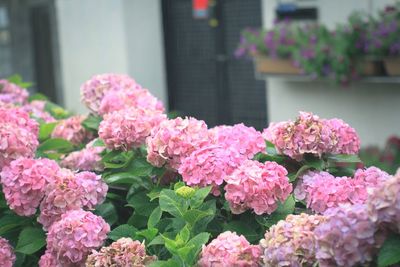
{"x": 24, "y": 182}
{"x": 93, "y": 90}
{"x": 291, "y": 242}
{"x": 71, "y": 129}
{"x": 48, "y": 259}
{"x": 346, "y": 137}
{"x": 124, "y": 252}
{"x": 87, "y": 159}
{"x": 72, "y": 238}
{"x": 209, "y": 166}
{"x": 347, "y": 237}
{"x": 257, "y": 186}
{"x": 174, "y": 140}
{"x": 70, "y": 192}
{"x": 18, "y": 135}
{"x": 128, "y": 128}
{"x": 122, "y": 99}
{"x": 7, "y": 256}
{"x": 247, "y": 140}
{"x": 230, "y": 249}
{"x": 12, "y": 93}
{"x": 37, "y": 110}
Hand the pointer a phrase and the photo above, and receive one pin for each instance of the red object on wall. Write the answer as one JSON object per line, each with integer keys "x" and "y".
{"x": 200, "y": 9}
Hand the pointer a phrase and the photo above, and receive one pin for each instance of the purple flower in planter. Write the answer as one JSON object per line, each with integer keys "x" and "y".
{"x": 395, "y": 48}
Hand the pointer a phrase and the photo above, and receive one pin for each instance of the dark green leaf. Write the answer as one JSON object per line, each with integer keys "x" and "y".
{"x": 148, "y": 234}
{"x": 168, "y": 263}
{"x": 158, "y": 240}
{"x": 193, "y": 216}
{"x": 141, "y": 203}
{"x": 11, "y": 221}
{"x": 30, "y": 240}
{"x": 389, "y": 253}
{"x": 122, "y": 178}
{"x": 199, "y": 197}
{"x": 92, "y": 122}
{"x": 56, "y": 144}
{"x": 172, "y": 203}
{"x": 124, "y": 230}
{"x": 38, "y": 96}
{"x": 154, "y": 193}
{"x": 137, "y": 220}
{"x": 242, "y": 228}
{"x": 197, "y": 242}
{"x": 46, "y": 129}
{"x": 344, "y": 158}
{"x": 154, "y": 218}
{"x": 140, "y": 167}
{"x": 108, "y": 212}
{"x": 314, "y": 162}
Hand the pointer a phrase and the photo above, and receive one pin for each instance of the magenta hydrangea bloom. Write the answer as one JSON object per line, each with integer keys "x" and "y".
{"x": 246, "y": 140}
{"x": 128, "y": 128}
{"x": 230, "y": 249}
{"x": 347, "y": 237}
{"x": 174, "y": 140}
{"x": 291, "y": 242}
{"x": 24, "y": 182}
{"x": 93, "y": 90}
{"x": 7, "y": 256}
{"x": 70, "y": 192}
{"x": 36, "y": 109}
{"x": 75, "y": 235}
{"x": 18, "y": 117}
{"x": 48, "y": 259}
{"x": 140, "y": 98}
{"x": 209, "y": 166}
{"x": 71, "y": 129}
{"x": 257, "y": 186}
{"x": 123, "y": 252}
{"x": 12, "y": 93}
{"x": 347, "y": 140}
{"x": 87, "y": 159}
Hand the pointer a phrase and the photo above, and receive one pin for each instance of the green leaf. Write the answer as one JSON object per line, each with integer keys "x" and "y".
{"x": 38, "y": 96}
{"x": 154, "y": 218}
{"x": 172, "y": 203}
{"x": 141, "y": 203}
{"x": 11, "y": 221}
{"x": 266, "y": 157}
{"x": 124, "y": 230}
{"x": 158, "y": 240}
{"x": 98, "y": 142}
{"x": 56, "y": 111}
{"x": 344, "y": 158}
{"x": 17, "y": 79}
{"x": 199, "y": 197}
{"x": 184, "y": 253}
{"x": 140, "y": 167}
{"x": 279, "y": 214}
{"x": 270, "y": 148}
{"x": 92, "y": 122}
{"x": 154, "y": 193}
{"x": 46, "y": 129}
{"x": 30, "y": 240}
{"x": 193, "y": 216}
{"x": 108, "y": 212}
{"x": 168, "y": 263}
{"x": 300, "y": 171}
{"x": 389, "y": 253}
{"x": 137, "y": 220}
{"x": 55, "y": 144}
{"x": 314, "y": 162}
{"x": 148, "y": 234}
{"x": 184, "y": 234}
{"x": 122, "y": 178}
{"x": 242, "y": 228}
{"x": 197, "y": 242}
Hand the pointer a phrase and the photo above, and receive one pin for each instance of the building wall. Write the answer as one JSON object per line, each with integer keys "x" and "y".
{"x": 371, "y": 108}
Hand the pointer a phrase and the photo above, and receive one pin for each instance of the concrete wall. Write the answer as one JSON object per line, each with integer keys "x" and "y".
{"x": 371, "y": 108}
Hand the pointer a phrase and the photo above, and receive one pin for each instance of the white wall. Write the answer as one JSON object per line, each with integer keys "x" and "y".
{"x": 117, "y": 36}
{"x": 372, "y": 109}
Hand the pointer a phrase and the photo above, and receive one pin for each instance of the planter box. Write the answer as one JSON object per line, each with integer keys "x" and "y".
{"x": 370, "y": 68}
{"x": 275, "y": 65}
{"x": 392, "y": 66}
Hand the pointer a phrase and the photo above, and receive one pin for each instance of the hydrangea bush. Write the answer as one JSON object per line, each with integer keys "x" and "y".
{"x": 127, "y": 186}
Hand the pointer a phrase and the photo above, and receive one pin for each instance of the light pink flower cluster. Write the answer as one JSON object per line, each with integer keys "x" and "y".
{"x": 174, "y": 140}
{"x": 24, "y": 182}
{"x": 93, "y": 90}
{"x": 347, "y": 237}
{"x": 128, "y": 128}
{"x": 311, "y": 135}
{"x": 140, "y": 98}
{"x": 87, "y": 159}
{"x": 291, "y": 242}
{"x": 7, "y": 256}
{"x": 209, "y": 166}
{"x": 124, "y": 252}
{"x": 18, "y": 135}
{"x": 230, "y": 249}
{"x": 49, "y": 260}
{"x": 321, "y": 190}
{"x": 12, "y": 93}
{"x": 71, "y": 129}
{"x": 384, "y": 204}
{"x": 71, "y": 239}
{"x": 246, "y": 140}
{"x": 71, "y": 192}
{"x": 36, "y": 109}
{"x": 257, "y": 186}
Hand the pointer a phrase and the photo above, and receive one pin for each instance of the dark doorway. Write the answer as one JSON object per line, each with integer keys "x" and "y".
{"x": 205, "y": 80}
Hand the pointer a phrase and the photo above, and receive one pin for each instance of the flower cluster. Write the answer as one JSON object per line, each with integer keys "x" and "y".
{"x": 24, "y": 182}
{"x": 94, "y": 90}
{"x": 257, "y": 186}
{"x": 347, "y": 237}
{"x": 124, "y": 252}
{"x": 7, "y": 256}
{"x": 12, "y": 93}
{"x": 128, "y": 128}
{"x": 322, "y": 191}
{"x": 140, "y": 98}
{"x": 49, "y": 260}
{"x": 230, "y": 249}
{"x": 311, "y": 135}
{"x": 71, "y": 129}
{"x": 291, "y": 242}
{"x": 71, "y": 239}
{"x": 18, "y": 135}
{"x": 71, "y": 192}
{"x": 209, "y": 166}
{"x": 246, "y": 140}
{"x": 174, "y": 140}
{"x": 87, "y": 159}
{"x": 37, "y": 110}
